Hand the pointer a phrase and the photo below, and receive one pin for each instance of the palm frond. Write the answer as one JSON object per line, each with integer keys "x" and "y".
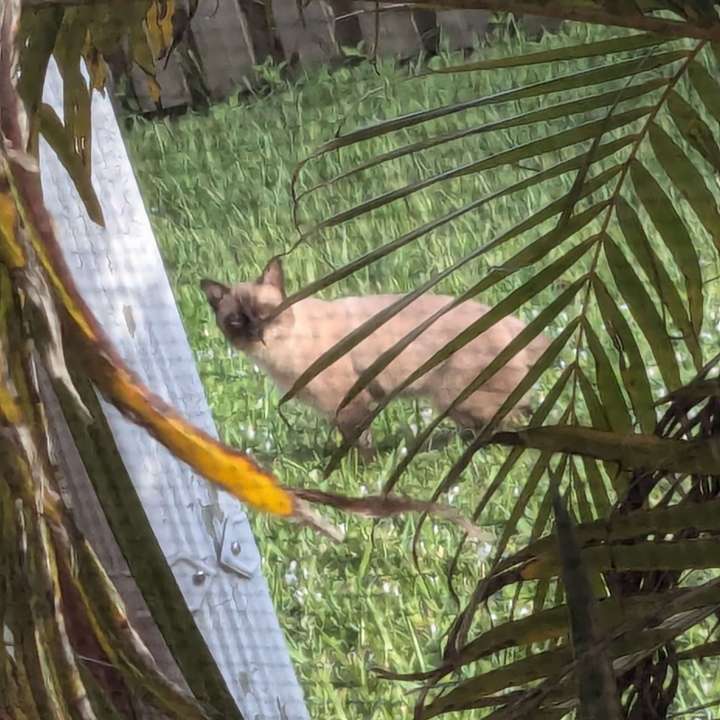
{"x": 614, "y": 266}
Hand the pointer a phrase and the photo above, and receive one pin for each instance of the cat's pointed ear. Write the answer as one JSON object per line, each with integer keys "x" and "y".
{"x": 214, "y": 292}
{"x": 273, "y": 275}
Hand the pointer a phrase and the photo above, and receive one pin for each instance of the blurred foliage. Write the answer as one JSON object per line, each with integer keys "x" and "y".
{"x": 617, "y": 257}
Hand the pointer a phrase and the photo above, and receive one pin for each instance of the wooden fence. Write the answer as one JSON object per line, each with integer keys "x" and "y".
{"x": 226, "y": 39}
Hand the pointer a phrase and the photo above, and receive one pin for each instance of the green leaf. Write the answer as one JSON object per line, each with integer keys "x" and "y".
{"x": 527, "y": 335}
{"x": 632, "y": 367}
{"x": 601, "y": 48}
{"x": 582, "y": 501}
{"x": 541, "y": 521}
{"x": 644, "y": 312}
{"x": 688, "y": 180}
{"x": 76, "y": 110}
{"x": 369, "y": 326}
{"x": 704, "y": 517}
{"x": 598, "y": 415}
{"x": 641, "y": 452}
{"x": 632, "y": 645}
{"x": 694, "y": 129}
{"x": 61, "y": 141}
{"x": 539, "y": 282}
{"x": 529, "y": 255}
{"x": 699, "y": 652}
{"x": 592, "y": 186}
{"x": 550, "y": 143}
{"x": 520, "y": 505}
{"x": 596, "y": 483}
{"x": 659, "y": 521}
{"x": 594, "y": 674}
{"x": 538, "y": 418}
{"x": 648, "y": 556}
{"x": 674, "y": 234}
{"x": 572, "y": 81}
{"x": 38, "y": 32}
{"x": 657, "y": 274}
{"x": 608, "y": 386}
{"x": 552, "y": 624}
{"x": 707, "y": 88}
{"x": 551, "y": 112}
{"x": 599, "y": 420}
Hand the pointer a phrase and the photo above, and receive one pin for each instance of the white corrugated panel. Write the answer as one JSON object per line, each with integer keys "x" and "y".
{"x": 121, "y": 275}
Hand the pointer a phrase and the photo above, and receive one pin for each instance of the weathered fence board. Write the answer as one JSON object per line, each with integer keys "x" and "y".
{"x": 222, "y": 37}
{"x": 463, "y": 28}
{"x": 389, "y": 32}
{"x": 534, "y": 25}
{"x": 232, "y": 36}
{"x": 426, "y": 23}
{"x": 346, "y": 25}
{"x": 264, "y": 40}
{"x": 309, "y": 38}
{"x": 174, "y": 90}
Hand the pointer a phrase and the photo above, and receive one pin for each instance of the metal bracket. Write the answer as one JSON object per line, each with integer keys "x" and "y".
{"x": 236, "y": 552}
{"x": 194, "y": 578}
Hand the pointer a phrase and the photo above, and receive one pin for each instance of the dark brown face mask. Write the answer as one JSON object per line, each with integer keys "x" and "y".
{"x": 242, "y": 325}
{"x": 238, "y": 320}
{"x": 243, "y": 313}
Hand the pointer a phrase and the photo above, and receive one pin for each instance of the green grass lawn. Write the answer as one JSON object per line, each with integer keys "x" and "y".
{"x": 218, "y": 191}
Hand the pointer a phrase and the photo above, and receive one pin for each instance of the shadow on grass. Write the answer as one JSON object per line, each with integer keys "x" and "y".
{"x": 439, "y": 440}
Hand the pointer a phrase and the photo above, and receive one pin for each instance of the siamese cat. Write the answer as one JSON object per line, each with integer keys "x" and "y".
{"x": 286, "y": 345}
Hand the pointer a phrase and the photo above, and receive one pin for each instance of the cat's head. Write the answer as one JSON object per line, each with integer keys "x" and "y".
{"x": 244, "y": 312}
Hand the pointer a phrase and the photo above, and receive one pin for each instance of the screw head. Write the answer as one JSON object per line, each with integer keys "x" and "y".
{"x": 198, "y": 578}
{"x": 235, "y": 547}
